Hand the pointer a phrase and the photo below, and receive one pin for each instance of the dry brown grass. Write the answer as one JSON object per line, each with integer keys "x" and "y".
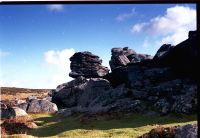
{"x": 17, "y": 125}
{"x": 3, "y": 132}
{"x": 160, "y": 132}
{"x": 12, "y": 93}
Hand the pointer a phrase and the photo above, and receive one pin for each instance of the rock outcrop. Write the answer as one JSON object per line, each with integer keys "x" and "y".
{"x": 96, "y": 95}
{"x": 87, "y": 65}
{"x": 136, "y": 84}
{"x": 80, "y": 92}
{"x": 34, "y": 105}
{"x": 122, "y": 56}
{"x": 182, "y": 58}
{"x": 162, "y": 51}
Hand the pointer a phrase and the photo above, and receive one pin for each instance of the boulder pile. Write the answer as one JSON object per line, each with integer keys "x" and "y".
{"x": 87, "y": 65}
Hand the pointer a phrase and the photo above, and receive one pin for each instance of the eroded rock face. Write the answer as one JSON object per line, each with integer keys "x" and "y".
{"x": 96, "y": 96}
{"x": 87, "y": 65}
{"x": 163, "y": 89}
{"x": 118, "y": 76}
{"x": 122, "y": 56}
{"x": 81, "y": 93}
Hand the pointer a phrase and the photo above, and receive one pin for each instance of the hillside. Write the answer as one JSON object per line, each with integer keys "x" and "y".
{"x": 12, "y": 93}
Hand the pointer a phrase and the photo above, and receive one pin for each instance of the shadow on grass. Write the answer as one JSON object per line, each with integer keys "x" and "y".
{"x": 52, "y": 126}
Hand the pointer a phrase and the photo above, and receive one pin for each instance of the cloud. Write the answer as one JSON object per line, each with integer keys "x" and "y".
{"x": 53, "y": 70}
{"x": 138, "y": 27}
{"x": 146, "y": 43}
{"x": 55, "y": 7}
{"x": 59, "y": 63}
{"x": 173, "y": 27}
{"x": 59, "y": 58}
{"x": 4, "y": 53}
{"x": 124, "y": 16}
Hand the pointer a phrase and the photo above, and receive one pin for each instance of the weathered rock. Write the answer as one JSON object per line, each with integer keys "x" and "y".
{"x": 32, "y": 97}
{"x": 167, "y": 88}
{"x": 86, "y": 64}
{"x": 48, "y": 98}
{"x": 163, "y": 105}
{"x": 182, "y": 58}
{"x": 135, "y": 83}
{"x": 117, "y": 76}
{"x": 68, "y": 96}
{"x": 153, "y": 99}
{"x": 81, "y": 93}
{"x": 192, "y": 34}
{"x": 41, "y": 106}
{"x": 122, "y": 56}
{"x": 20, "y": 102}
{"x": 23, "y": 106}
{"x": 65, "y": 112}
{"x": 51, "y": 92}
{"x": 164, "y": 49}
{"x": 127, "y": 105}
{"x": 12, "y": 112}
{"x": 139, "y": 94}
{"x": 186, "y": 131}
{"x": 94, "y": 88}
{"x": 186, "y": 103}
{"x": 139, "y": 57}
{"x": 19, "y": 112}
{"x": 71, "y": 84}
{"x": 118, "y": 61}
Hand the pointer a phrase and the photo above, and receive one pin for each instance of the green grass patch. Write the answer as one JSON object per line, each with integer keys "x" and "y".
{"x": 132, "y": 125}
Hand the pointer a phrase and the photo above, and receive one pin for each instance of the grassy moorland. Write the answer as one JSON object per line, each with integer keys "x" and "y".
{"x": 124, "y": 126}
{"x": 12, "y": 93}
{"x": 95, "y": 126}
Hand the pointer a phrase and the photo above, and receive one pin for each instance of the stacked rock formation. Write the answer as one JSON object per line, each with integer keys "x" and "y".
{"x": 123, "y": 56}
{"x": 138, "y": 87}
{"x": 86, "y": 64}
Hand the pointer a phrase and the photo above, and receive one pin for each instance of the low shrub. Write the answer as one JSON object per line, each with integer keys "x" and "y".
{"x": 17, "y": 125}
{"x": 161, "y": 132}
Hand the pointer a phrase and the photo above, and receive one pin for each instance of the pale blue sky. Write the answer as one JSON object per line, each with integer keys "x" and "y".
{"x": 37, "y": 40}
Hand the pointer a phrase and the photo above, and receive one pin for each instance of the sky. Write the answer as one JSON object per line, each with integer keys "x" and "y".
{"x": 36, "y": 41}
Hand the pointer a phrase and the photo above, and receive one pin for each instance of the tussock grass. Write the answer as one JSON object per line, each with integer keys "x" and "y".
{"x": 17, "y": 125}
